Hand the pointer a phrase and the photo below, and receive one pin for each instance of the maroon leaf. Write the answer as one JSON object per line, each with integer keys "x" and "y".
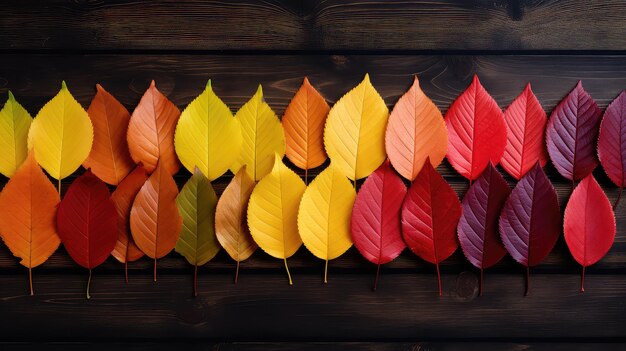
{"x": 612, "y": 142}
{"x": 375, "y": 224}
{"x": 430, "y": 214}
{"x": 530, "y": 222}
{"x": 478, "y": 226}
{"x": 572, "y": 133}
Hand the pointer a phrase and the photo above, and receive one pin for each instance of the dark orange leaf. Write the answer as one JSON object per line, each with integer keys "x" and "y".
{"x": 109, "y": 158}
{"x": 151, "y": 131}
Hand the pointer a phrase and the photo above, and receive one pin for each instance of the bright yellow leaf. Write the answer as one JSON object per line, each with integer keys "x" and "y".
{"x": 262, "y": 135}
{"x": 207, "y": 135}
{"x": 355, "y": 131}
{"x": 61, "y": 135}
{"x": 14, "y": 125}
{"x": 273, "y": 212}
{"x": 324, "y": 215}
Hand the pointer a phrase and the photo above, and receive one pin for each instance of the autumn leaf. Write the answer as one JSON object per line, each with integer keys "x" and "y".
{"x": 526, "y": 124}
{"x": 125, "y": 248}
{"x": 196, "y": 204}
{"x": 354, "y": 135}
{"x": 262, "y": 134}
{"x": 154, "y": 219}
{"x": 109, "y": 158}
{"x": 303, "y": 122}
{"x": 416, "y": 131}
{"x": 324, "y": 215}
{"x": 61, "y": 135}
{"x": 478, "y": 226}
{"x": 589, "y": 224}
{"x": 572, "y": 133}
{"x": 476, "y": 131}
{"x": 14, "y": 125}
{"x": 87, "y": 222}
{"x": 231, "y": 221}
{"x": 207, "y": 135}
{"x": 530, "y": 221}
{"x": 612, "y": 142}
{"x": 273, "y": 212}
{"x": 28, "y": 205}
{"x": 375, "y": 221}
{"x": 151, "y": 131}
{"x": 430, "y": 214}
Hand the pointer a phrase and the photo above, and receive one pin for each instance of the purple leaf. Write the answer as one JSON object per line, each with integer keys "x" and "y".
{"x": 612, "y": 142}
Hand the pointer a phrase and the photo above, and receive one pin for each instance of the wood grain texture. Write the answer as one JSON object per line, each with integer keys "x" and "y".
{"x": 313, "y": 25}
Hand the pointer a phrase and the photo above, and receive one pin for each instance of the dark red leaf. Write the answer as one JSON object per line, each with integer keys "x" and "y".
{"x": 476, "y": 131}
{"x": 530, "y": 221}
{"x": 87, "y": 222}
{"x": 572, "y": 133}
{"x": 430, "y": 214}
{"x": 478, "y": 226}
{"x": 589, "y": 224}
{"x": 612, "y": 142}
{"x": 375, "y": 224}
{"x": 526, "y": 128}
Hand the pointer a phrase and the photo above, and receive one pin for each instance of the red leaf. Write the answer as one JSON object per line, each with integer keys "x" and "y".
{"x": 589, "y": 224}
{"x": 430, "y": 214}
{"x": 530, "y": 221}
{"x": 375, "y": 224}
{"x": 87, "y": 222}
{"x": 476, "y": 131}
{"x": 526, "y": 126}
{"x": 478, "y": 226}
{"x": 572, "y": 133}
{"x": 612, "y": 142}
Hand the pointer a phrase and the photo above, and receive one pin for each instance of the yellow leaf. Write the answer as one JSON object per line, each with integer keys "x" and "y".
{"x": 324, "y": 215}
{"x": 273, "y": 210}
{"x": 355, "y": 131}
{"x": 61, "y": 135}
{"x": 207, "y": 135}
{"x": 14, "y": 124}
{"x": 262, "y": 136}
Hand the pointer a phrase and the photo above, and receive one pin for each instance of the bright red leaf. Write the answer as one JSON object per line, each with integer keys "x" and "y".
{"x": 572, "y": 133}
{"x": 526, "y": 125}
{"x": 530, "y": 222}
{"x": 612, "y": 142}
{"x": 375, "y": 225}
{"x": 87, "y": 222}
{"x": 476, "y": 131}
{"x": 478, "y": 226}
{"x": 430, "y": 214}
{"x": 589, "y": 224}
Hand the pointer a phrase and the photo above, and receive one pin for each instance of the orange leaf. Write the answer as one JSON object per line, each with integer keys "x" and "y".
{"x": 154, "y": 220}
{"x": 28, "y": 206}
{"x": 109, "y": 158}
{"x": 151, "y": 131}
{"x": 415, "y": 131}
{"x": 125, "y": 248}
{"x": 303, "y": 122}
{"x": 231, "y": 224}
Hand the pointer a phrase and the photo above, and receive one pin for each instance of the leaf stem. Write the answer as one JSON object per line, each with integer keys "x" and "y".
{"x": 155, "y": 271}
{"x": 326, "y": 272}
{"x": 527, "y": 281}
{"x": 288, "y": 274}
{"x": 59, "y": 186}
{"x": 619, "y": 196}
{"x": 582, "y": 281}
{"x": 237, "y": 272}
{"x": 30, "y": 280}
{"x": 439, "y": 279}
{"x": 195, "y": 280}
{"x": 89, "y": 284}
{"x": 480, "y": 283}
{"x": 306, "y": 176}
{"x": 126, "y": 270}
{"x": 376, "y": 278}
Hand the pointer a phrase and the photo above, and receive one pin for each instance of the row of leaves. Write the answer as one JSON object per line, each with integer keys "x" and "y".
{"x": 147, "y": 215}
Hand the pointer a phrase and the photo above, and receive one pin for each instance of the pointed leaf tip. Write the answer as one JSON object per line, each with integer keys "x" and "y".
{"x": 367, "y": 77}
{"x": 63, "y": 85}
{"x": 259, "y": 90}
{"x": 11, "y": 97}
{"x": 208, "y": 84}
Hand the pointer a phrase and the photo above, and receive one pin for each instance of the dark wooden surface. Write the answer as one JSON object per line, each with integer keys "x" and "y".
{"x": 123, "y": 45}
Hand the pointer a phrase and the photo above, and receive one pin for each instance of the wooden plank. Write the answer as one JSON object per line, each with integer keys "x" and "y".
{"x": 311, "y": 26}
{"x": 313, "y": 346}
{"x": 264, "y": 307}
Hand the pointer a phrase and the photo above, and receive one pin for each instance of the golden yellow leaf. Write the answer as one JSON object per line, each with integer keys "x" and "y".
{"x": 262, "y": 137}
{"x": 355, "y": 131}
{"x": 324, "y": 215}
{"x": 207, "y": 135}
{"x": 14, "y": 125}
{"x": 273, "y": 211}
{"x": 61, "y": 135}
